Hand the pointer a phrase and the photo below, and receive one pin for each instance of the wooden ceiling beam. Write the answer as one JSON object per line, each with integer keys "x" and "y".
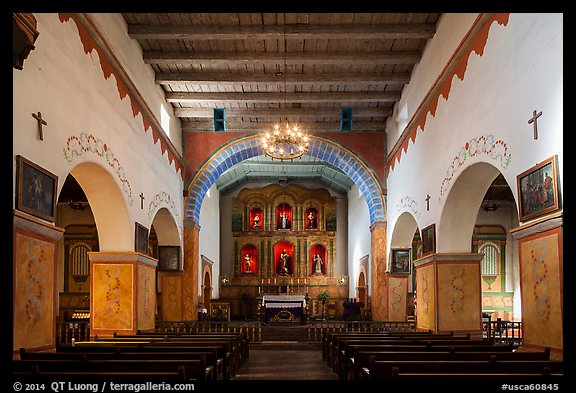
{"x": 221, "y": 78}
{"x": 265, "y": 32}
{"x": 306, "y": 58}
{"x": 235, "y": 97}
{"x": 282, "y": 112}
{"x": 207, "y": 125}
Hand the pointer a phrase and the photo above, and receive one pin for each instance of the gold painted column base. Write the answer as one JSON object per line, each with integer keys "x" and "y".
{"x": 122, "y": 293}
{"x": 448, "y": 293}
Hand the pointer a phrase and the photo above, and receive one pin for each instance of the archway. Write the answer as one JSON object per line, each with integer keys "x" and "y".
{"x": 247, "y": 147}
{"x": 206, "y": 291}
{"x": 456, "y": 226}
{"x": 361, "y": 288}
{"x": 106, "y": 199}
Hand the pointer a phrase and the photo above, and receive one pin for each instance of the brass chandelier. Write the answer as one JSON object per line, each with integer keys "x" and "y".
{"x": 285, "y": 142}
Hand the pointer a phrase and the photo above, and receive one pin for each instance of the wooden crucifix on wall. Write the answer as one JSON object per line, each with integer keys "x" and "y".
{"x": 427, "y": 202}
{"x": 534, "y": 120}
{"x": 41, "y": 122}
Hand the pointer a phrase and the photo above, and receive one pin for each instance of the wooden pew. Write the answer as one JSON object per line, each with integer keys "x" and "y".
{"x": 35, "y": 374}
{"x": 335, "y": 343}
{"x": 328, "y": 337}
{"x": 361, "y": 358}
{"x": 210, "y": 354}
{"x": 223, "y": 349}
{"x": 194, "y": 369}
{"x": 345, "y": 347}
{"x": 389, "y": 369}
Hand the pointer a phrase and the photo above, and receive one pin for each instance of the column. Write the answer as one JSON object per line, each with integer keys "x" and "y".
{"x": 378, "y": 272}
{"x": 448, "y": 294}
{"x": 190, "y": 279}
{"x": 34, "y": 274}
{"x": 122, "y": 293}
{"x": 540, "y": 246}
{"x": 397, "y": 285}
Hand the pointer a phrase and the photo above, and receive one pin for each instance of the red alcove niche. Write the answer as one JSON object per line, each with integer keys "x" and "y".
{"x": 311, "y": 218}
{"x": 320, "y": 250}
{"x": 251, "y": 252}
{"x": 278, "y": 248}
{"x": 256, "y": 218}
{"x": 283, "y": 209}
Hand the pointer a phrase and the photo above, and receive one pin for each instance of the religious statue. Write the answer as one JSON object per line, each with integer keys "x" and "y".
{"x": 284, "y": 263}
{"x": 284, "y": 221}
{"x": 248, "y": 262}
{"x": 256, "y": 221}
{"x": 311, "y": 220}
{"x": 318, "y": 264}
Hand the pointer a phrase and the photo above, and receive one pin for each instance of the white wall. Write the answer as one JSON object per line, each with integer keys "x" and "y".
{"x": 496, "y": 97}
{"x": 209, "y": 237}
{"x": 359, "y": 239}
{"x": 69, "y": 88}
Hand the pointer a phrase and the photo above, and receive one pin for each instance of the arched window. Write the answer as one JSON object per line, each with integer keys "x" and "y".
{"x": 79, "y": 263}
{"x": 490, "y": 259}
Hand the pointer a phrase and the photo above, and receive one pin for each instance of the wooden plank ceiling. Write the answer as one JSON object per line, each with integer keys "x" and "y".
{"x": 296, "y": 67}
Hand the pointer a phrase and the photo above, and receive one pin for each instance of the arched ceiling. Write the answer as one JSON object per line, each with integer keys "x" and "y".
{"x": 306, "y": 169}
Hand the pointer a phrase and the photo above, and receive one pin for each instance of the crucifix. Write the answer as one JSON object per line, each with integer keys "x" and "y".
{"x": 141, "y": 200}
{"x": 533, "y": 119}
{"x": 427, "y": 202}
{"x": 41, "y": 122}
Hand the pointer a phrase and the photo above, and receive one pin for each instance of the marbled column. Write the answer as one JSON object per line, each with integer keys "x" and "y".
{"x": 541, "y": 281}
{"x": 35, "y": 294}
{"x": 122, "y": 293}
{"x": 448, "y": 294}
{"x": 397, "y": 296}
{"x": 190, "y": 279}
{"x": 379, "y": 283}
{"x": 171, "y": 296}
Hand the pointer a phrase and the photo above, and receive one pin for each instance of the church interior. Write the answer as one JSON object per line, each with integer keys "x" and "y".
{"x": 288, "y": 181}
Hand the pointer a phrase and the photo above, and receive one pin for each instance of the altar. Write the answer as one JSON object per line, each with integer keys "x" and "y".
{"x": 284, "y": 309}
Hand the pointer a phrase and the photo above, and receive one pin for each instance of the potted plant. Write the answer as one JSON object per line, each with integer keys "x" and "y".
{"x": 323, "y": 297}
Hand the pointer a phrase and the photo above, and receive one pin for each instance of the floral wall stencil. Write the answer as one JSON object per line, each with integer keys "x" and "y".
{"x": 489, "y": 146}
{"x": 83, "y": 143}
{"x": 407, "y": 203}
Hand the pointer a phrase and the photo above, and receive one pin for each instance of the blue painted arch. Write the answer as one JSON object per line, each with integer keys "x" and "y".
{"x": 322, "y": 148}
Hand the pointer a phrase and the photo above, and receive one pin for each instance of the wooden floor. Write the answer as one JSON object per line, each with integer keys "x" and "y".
{"x": 285, "y": 361}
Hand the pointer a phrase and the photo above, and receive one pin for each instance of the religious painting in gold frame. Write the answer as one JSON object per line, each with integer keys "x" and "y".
{"x": 538, "y": 190}
{"x": 35, "y": 189}
{"x": 429, "y": 240}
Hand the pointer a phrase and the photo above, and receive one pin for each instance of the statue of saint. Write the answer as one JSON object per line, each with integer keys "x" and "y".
{"x": 311, "y": 220}
{"x": 284, "y": 221}
{"x": 256, "y": 221}
{"x": 284, "y": 263}
{"x": 318, "y": 264}
{"x": 248, "y": 262}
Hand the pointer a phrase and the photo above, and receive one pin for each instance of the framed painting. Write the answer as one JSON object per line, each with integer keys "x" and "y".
{"x": 538, "y": 190}
{"x": 36, "y": 189}
{"x": 141, "y": 239}
{"x": 169, "y": 258}
{"x": 429, "y": 240}
{"x": 401, "y": 261}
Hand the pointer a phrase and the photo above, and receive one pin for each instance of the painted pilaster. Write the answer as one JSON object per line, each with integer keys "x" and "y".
{"x": 378, "y": 272}
{"x": 190, "y": 279}
{"x": 448, "y": 293}
{"x": 35, "y": 296}
{"x": 397, "y": 285}
{"x": 122, "y": 293}
{"x": 540, "y": 247}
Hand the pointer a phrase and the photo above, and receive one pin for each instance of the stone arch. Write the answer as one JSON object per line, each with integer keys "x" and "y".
{"x": 402, "y": 233}
{"x": 109, "y": 208}
{"x": 166, "y": 229}
{"x": 458, "y": 217}
{"x": 322, "y": 148}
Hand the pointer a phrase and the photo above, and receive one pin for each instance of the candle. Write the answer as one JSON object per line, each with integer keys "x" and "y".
{"x": 298, "y": 281}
